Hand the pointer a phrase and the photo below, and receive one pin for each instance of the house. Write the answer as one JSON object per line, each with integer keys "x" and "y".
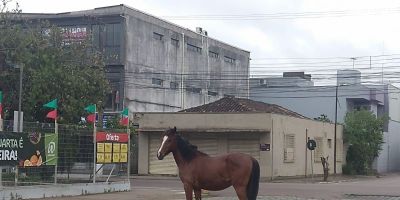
{"x": 273, "y": 135}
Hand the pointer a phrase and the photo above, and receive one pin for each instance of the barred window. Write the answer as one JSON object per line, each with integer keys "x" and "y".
{"x": 213, "y": 54}
{"x": 229, "y": 60}
{"x": 289, "y": 142}
{"x": 194, "y": 48}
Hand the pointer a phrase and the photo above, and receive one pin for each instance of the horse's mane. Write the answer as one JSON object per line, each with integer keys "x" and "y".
{"x": 187, "y": 150}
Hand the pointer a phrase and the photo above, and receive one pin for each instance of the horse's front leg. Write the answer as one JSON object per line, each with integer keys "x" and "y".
{"x": 188, "y": 191}
{"x": 197, "y": 194}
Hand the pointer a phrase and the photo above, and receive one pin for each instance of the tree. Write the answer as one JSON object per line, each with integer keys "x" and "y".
{"x": 364, "y": 135}
{"x": 73, "y": 73}
{"x": 323, "y": 118}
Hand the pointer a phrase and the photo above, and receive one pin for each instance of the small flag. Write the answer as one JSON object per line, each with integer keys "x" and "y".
{"x": 51, "y": 104}
{"x": 125, "y": 112}
{"x": 125, "y": 117}
{"x": 91, "y": 108}
{"x": 91, "y": 118}
{"x": 124, "y": 121}
{"x": 52, "y": 114}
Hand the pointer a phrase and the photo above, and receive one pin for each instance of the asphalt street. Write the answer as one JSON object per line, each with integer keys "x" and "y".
{"x": 160, "y": 188}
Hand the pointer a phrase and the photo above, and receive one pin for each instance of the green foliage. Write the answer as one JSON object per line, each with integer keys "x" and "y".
{"x": 323, "y": 118}
{"x": 363, "y": 133}
{"x": 73, "y": 73}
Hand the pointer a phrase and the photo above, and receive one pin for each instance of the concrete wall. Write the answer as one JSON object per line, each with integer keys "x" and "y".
{"x": 389, "y": 159}
{"x": 301, "y": 127}
{"x": 148, "y": 58}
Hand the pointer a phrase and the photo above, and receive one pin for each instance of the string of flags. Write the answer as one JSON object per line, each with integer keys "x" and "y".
{"x": 91, "y": 109}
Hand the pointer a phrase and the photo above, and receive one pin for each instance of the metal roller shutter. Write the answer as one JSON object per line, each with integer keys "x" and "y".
{"x": 250, "y": 146}
{"x": 206, "y": 145}
{"x": 165, "y": 166}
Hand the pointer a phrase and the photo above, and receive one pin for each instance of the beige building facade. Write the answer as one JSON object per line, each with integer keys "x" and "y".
{"x": 277, "y": 141}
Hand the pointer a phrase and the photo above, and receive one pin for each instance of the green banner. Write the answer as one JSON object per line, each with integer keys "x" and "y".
{"x": 51, "y": 148}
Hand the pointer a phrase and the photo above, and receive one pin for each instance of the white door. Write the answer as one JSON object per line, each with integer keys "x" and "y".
{"x": 248, "y": 144}
{"x": 165, "y": 166}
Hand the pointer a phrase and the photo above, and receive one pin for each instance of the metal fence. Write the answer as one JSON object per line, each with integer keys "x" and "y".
{"x": 75, "y": 162}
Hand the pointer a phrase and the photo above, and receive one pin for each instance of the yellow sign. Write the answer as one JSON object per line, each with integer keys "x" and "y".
{"x": 108, "y": 147}
{"x": 100, "y": 147}
{"x": 115, "y": 157}
{"x": 124, "y": 148}
{"x": 100, "y": 157}
{"x": 107, "y": 158}
{"x": 116, "y": 147}
{"x": 123, "y": 157}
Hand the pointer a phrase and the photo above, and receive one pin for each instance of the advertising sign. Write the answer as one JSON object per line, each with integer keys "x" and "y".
{"x": 51, "y": 149}
{"x": 25, "y": 150}
{"x": 112, "y": 147}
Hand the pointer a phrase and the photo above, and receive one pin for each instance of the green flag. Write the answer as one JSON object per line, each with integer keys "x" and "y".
{"x": 125, "y": 112}
{"x": 51, "y": 104}
{"x": 1, "y": 97}
{"x": 91, "y": 108}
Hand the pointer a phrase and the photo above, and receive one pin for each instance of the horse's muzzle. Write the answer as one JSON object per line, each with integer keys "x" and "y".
{"x": 160, "y": 156}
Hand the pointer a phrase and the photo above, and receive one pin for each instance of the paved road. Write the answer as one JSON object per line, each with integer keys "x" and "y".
{"x": 384, "y": 188}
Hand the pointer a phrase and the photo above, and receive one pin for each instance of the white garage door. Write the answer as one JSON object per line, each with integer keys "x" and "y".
{"x": 206, "y": 145}
{"x": 165, "y": 166}
{"x": 249, "y": 145}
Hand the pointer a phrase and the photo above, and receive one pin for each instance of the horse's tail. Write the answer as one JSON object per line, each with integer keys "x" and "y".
{"x": 252, "y": 186}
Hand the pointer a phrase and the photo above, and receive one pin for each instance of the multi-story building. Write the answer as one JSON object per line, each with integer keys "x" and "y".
{"x": 300, "y": 95}
{"x": 155, "y": 65}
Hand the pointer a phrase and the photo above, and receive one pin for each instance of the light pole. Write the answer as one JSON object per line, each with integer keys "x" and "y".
{"x": 21, "y": 73}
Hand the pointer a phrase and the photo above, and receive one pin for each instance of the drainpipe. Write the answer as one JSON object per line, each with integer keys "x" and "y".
{"x": 182, "y": 71}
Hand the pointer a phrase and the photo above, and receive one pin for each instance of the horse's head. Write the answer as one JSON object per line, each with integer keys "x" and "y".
{"x": 168, "y": 144}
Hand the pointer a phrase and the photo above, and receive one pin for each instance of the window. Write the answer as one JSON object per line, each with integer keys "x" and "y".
{"x": 319, "y": 150}
{"x": 194, "y": 90}
{"x": 157, "y": 36}
{"x": 194, "y": 48}
{"x": 173, "y": 85}
{"x": 330, "y": 143}
{"x": 213, "y": 54}
{"x": 113, "y": 34}
{"x": 289, "y": 142}
{"x": 211, "y": 93}
{"x": 229, "y": 60}
{"x": 175, "y": 42}
{"x": 157, "y": 81}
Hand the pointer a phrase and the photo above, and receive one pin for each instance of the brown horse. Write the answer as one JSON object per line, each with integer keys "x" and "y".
{"x": 198, "y": 170}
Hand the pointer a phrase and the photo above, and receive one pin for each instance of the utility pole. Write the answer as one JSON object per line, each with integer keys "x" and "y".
{"x": 334, "y": 142}
{"x": 21, "y": 73}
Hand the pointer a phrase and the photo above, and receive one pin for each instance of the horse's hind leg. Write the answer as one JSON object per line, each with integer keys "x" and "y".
{"x": 197, "y": 194}
{"x": 241, "y": 191}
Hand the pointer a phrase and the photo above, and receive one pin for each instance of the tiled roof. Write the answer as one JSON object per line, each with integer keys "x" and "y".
{"x": 235, "y": 105}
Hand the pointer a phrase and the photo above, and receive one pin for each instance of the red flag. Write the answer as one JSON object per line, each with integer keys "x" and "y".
{"x": 124, "y": 121}
{"x": 91, "y": 118}
{"x": 52, "y": 114}
{"x": 1, "y": 109}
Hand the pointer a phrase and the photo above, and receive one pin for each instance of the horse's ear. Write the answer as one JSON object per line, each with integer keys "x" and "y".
{"x": 175, "y": 129}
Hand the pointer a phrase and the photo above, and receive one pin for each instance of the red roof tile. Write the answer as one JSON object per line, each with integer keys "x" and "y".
{"x": 235, "y": 105}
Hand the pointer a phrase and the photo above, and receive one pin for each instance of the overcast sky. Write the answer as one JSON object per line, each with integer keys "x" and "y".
{"x": 370, "y": 27}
